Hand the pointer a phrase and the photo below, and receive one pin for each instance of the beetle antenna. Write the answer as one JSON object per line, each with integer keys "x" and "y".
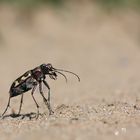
{"x": 62, "y": 75}
{"x": 69, "y": 72}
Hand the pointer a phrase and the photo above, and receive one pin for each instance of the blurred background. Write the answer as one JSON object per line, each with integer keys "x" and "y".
{"x": 97, "y": 39}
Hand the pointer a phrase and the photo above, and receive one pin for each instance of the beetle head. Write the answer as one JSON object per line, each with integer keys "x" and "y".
{"x": 48, "y": 69}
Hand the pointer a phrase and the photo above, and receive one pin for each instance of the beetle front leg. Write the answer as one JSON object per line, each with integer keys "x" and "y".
{"x": 46, "y": 84}
{"x": 45, "y": 100}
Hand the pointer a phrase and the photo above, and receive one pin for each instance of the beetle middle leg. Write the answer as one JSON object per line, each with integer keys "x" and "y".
{"x": 21, "y": 102}
{"x": 45, "y": 100}
{"x": 33, "y": 90}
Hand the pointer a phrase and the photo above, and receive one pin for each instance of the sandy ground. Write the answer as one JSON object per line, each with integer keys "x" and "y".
{"x": 102, "y": 48}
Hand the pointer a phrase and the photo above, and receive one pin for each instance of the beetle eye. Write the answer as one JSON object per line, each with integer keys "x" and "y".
{"x": 49, "y": 66}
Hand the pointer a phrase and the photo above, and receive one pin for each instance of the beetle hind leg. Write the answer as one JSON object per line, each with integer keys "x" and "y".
{"x": 8, "y": 105}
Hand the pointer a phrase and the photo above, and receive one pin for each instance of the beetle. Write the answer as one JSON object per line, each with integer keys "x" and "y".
{"x": 30, "y": 80}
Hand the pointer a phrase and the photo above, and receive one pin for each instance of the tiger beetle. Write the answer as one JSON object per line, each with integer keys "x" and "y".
{"x": 29, "y": 81}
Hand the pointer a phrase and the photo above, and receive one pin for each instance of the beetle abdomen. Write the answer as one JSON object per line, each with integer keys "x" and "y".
{"x": 18, "y": 91}
{"x": 24, "y": 86}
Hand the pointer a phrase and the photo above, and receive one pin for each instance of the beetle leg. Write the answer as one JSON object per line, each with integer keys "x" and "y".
{"x": 46, "y": 84}
{"x": 21, "y": 102}
{"x": 33, "y": 90}
{"x": 6, "y": 107}
{"x": 45, "y": 100}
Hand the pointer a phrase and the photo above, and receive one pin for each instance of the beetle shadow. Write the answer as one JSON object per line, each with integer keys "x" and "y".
{"x": 22, "y": 116}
